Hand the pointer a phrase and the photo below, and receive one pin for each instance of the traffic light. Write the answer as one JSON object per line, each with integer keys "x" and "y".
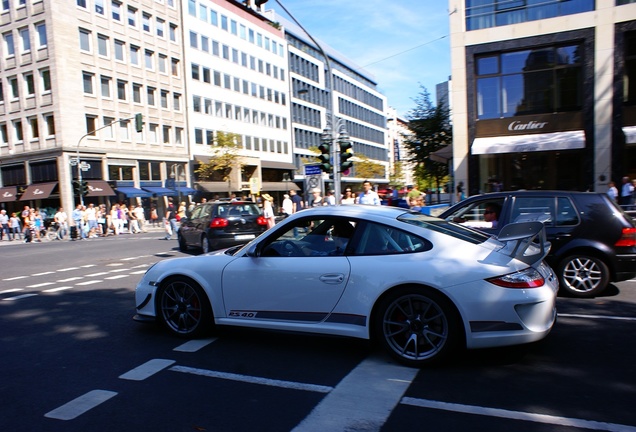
{"x": 325, "y": 156}
{"x": 81, "y": 187}
{"x": 139, "y": 122}
{"x": 84, "y": 188}
{"x": 346, "y": 152}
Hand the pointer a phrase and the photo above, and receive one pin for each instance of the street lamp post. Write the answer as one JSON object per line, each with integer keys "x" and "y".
{"x": 334, "y": 125}
{"x": 175, "y": 175}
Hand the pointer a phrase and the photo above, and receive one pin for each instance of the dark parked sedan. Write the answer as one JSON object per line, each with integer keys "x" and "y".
{"x": 221, "y": 224}
{"x": 593, "y": 240}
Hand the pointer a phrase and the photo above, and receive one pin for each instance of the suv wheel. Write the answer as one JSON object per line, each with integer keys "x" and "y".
{"x": 583, "y": 276}
{"x": 205, "y": 245}
{"x": 183, "y": 246}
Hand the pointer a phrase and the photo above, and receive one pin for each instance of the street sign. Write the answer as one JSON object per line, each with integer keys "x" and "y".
{"x": 255, "y": 185}
{"x": 85, "y": 166}
{"x": 73, "y": 161}
{"x": 313, "y": 181}
{"x": 312, "y": 170}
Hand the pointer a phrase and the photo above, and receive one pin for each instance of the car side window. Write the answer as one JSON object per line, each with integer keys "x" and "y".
{"x": 566, "y": 212}
{"x": 379, "y": 239}
{"x": 474, "y": 214}
{"x": 533, "y": 207}
{"x": 196, "y": 213}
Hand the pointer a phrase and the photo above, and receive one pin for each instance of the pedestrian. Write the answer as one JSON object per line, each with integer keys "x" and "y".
{"x": 368, "y": 196}
{"x": 24, "y": 217}
{"x": 297, "y": 201}
{"x": 140, "y": 215}
{"x": 61, "y": 219}
{"x": 612, "y": 191}
{"x": 154, "y": 217}
{"x": 627, "y": 192}
{"x": 91, "y": 220}
{"x": 170, "y": 219}
{"x": 348, "y": 198}
{"x": 4, "y": 225}
{"x": 331, "y": 198}
{"x": 14, "y": 225}
{"x": 268, "y": 210}
{"x": 460, "y": 191}
{"x": 287, "y": 206}
{"x": 317, "y": 200}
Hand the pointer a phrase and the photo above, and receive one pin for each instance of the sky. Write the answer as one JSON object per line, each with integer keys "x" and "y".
{"x": 404, "y": 44}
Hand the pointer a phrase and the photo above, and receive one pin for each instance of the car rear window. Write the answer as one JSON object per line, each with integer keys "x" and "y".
{"x": 237, "y": 209}
{"x": 444, "y": 227}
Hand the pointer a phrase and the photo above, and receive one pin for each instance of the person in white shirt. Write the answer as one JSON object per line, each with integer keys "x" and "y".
{"x": 612, "y": 191}
{"x": 288, "y": 205}
{"x": 61, "y": 219}
{"x": 626, "y": 192}
{"x": 368, "y": 196}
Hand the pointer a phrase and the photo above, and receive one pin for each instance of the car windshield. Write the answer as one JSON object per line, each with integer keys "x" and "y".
{"x": 444, "y": 227}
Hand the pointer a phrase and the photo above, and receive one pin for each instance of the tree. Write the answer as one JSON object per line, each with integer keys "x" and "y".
{"x": 225, "y": 158}
{"x": 367, "y": 169}
{"x": 431, "y": 130}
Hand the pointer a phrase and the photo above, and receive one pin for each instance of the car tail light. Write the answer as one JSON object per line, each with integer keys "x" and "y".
{"x": 261, "y": 221}
{"x": 528, "y": 278}
{"x": 218, "y": 222}
{"x": 628, "y": 239}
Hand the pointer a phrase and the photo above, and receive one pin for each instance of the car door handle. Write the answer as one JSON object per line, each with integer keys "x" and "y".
{"x": 332, "y": 278}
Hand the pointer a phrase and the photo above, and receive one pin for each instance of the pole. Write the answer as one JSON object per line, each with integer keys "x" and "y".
{"x": 331, "y": 115}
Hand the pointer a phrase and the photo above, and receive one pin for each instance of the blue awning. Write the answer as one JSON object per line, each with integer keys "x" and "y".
{"x": 132, "y": 192}
{"x": 160, "y": 191}
{"x": 184, "y": 190}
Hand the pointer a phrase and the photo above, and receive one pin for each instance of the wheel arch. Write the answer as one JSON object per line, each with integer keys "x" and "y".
{"x": 597, "y": 250}
{"x": 169, "y": 278}
{"x": 424, "y": 288}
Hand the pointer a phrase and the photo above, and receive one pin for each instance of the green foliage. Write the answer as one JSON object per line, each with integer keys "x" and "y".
{"x": 431, "y": 130}
{"x": 225, "y": 157}
{"x": 365, "y": 168}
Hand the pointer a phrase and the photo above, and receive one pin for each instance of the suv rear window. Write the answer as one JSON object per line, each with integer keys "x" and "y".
{"x": 560, "y": 211}
{"x": 234, "y": 209}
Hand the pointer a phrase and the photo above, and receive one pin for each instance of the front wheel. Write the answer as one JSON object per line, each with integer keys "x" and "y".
{"x": 183, "y": 246}
{"x": 583, "y": 276}
{"x": 184, "y": 308}
{"x": 205, "y": 245}
{"x": 417, "y": 327}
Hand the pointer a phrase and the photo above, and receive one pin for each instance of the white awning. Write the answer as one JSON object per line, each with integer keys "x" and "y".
{"x": 529, "y": 143}
{"x": 630, "y": 134}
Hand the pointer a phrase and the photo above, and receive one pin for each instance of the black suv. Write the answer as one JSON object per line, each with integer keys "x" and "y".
{"x": 221, "y": 224}
{"x": 593, "y": 240}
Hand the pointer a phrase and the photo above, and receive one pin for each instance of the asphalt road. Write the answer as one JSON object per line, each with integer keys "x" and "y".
{"x": 73, "y": 360}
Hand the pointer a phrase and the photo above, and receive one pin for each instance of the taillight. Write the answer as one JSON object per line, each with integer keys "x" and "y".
{"x": 528, "y": 278}
{"x": 218, "y": 222}
{"x": 261, "y": 221}
{"x": 628, "y": 238}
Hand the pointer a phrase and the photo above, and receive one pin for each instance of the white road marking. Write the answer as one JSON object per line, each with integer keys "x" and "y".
{"x": 96, "y": 274}
{"x": 114, "y": 264}
{"x": 42, "y": 274}
{"x": 147, "y": 369}
{"x": 70, "y": 279}
{"x": 252, "y": 380}
{"x": 68, "y": 269}
{"x": 138, "y": 272}
{"x": 52, "y": 290}
{"x": 133, "y": 258}
{"x": 142, "y": 265}
{"x": 88, "y": 265}
{"x": 194, "y": 345}
{"x": 20, "y": 297}
{"x": 619, "y": 318}
{"x": 518, "y": 415}
{"x": 363, "y": 400}
{"x": 88, "y": 282}
{"x": 11, "y": 290}
{"x": 116, "y": 277}
{"x": 79, "y": 406}
{"x": 15, "y": 278}
{"x": 40, "y": 285}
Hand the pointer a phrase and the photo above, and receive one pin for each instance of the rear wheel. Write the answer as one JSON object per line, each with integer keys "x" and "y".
{"x": 205, "y": 245}
{"x": 184, "y": 308}
{"x": 417, "y": 326}
{"x": 183, "y": 246}
{"x": 583, "y": 276}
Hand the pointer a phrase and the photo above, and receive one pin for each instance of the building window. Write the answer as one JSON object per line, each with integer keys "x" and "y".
{"x": 81, "y": 3}
{"x": 102, "y": 45}
{"x": 195, "y": 71}
{"x": 26, "y": 39}
{"x": 105, "y": 86}
{"x": 160, "y": 27}
{"x": 119, "y": 50}
{"x": 8, "y": 44}
{"x": 175, "y": 67}
{"x": 163, "y": 63}
{"x": 87, "y": 79}
{"x": 108, "y": 131}
{"x": 173, "y": 32}
{"x": 164, "y": 99}
{"x": 121, "y": 90}
{"x": 99, "y": 7}
{"x": 192, "y": 7}
{"x": 30, "y": 84}
{"x": 178, "y": 136}
{"x": 116, "y": 10}
{"x": 50, "y": 124}
{"x": 136, "y": 93}
{"x": 41, "y": 31}
{"x": 132, "y": 17}
{"x": 150, "y": 92}
{"x": 134, "y": 55}
{"x": 533, "y": 81}
{"x": 194, "y": 38}
{"x": 176, "y": 102}
{"x": 166, "y": 134}
{"x": 148, "y": 56}
{"x": 45, "y": 79}
{"x": 17, "y": 130}
{"x": 145, "y": 22}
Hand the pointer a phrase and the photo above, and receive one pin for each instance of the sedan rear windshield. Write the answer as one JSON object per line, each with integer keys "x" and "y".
{"x": 449, "y": 228}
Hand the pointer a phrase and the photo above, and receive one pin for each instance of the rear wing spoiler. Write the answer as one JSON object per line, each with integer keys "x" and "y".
{"x": 525, "y": 241}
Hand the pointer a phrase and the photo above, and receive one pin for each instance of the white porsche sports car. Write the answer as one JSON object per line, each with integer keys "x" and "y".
{"x": 421, "y": 286}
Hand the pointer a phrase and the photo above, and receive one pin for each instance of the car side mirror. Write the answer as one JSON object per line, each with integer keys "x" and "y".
{"x": 252, "y": 251}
